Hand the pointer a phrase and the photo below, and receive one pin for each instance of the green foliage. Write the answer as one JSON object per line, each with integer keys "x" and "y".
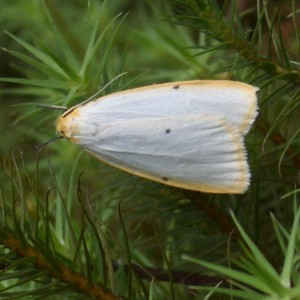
{"x": 72, "y": 227}
{"x": 256, "y": 278}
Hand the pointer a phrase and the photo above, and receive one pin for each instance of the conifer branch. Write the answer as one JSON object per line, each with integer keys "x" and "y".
{"x": 59, "y": 271}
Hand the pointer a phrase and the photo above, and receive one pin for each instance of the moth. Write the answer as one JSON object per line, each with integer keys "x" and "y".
{"x": 187, "y": 134}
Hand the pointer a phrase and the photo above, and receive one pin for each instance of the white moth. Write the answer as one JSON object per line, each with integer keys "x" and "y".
{"x": 186, "y": 134}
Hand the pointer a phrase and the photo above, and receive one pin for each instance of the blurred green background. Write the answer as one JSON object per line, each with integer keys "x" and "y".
{"x": 103, "y": 223}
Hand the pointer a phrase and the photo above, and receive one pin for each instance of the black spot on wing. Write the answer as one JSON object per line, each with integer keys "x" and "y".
{"x": 168, "y": 130}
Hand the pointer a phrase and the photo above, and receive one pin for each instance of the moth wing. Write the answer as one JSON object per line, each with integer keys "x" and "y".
{"x": 196, "y": 152}
{"x": 234, "y": 101}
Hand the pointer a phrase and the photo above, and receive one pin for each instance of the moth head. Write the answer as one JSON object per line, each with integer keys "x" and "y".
{"x": 65, "y": 124}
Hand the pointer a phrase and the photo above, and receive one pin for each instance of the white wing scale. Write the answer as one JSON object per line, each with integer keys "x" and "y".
{"x": 185, "y": 134}
{"x": 234, "y": 101}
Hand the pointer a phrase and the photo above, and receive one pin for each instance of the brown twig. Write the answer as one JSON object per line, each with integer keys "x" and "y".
{"x": 62, "y": 273}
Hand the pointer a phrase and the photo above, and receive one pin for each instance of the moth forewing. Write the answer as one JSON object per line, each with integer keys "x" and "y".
{"x": 184, "y": 134}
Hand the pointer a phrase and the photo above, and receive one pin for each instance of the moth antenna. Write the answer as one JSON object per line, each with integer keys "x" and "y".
{"x": 64, "y": 108}
{"x": 48, "y": 142}
{"x": 39, "y": 147}
{"x": 99, "y": 92}
{"x": 54, "y": 107}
